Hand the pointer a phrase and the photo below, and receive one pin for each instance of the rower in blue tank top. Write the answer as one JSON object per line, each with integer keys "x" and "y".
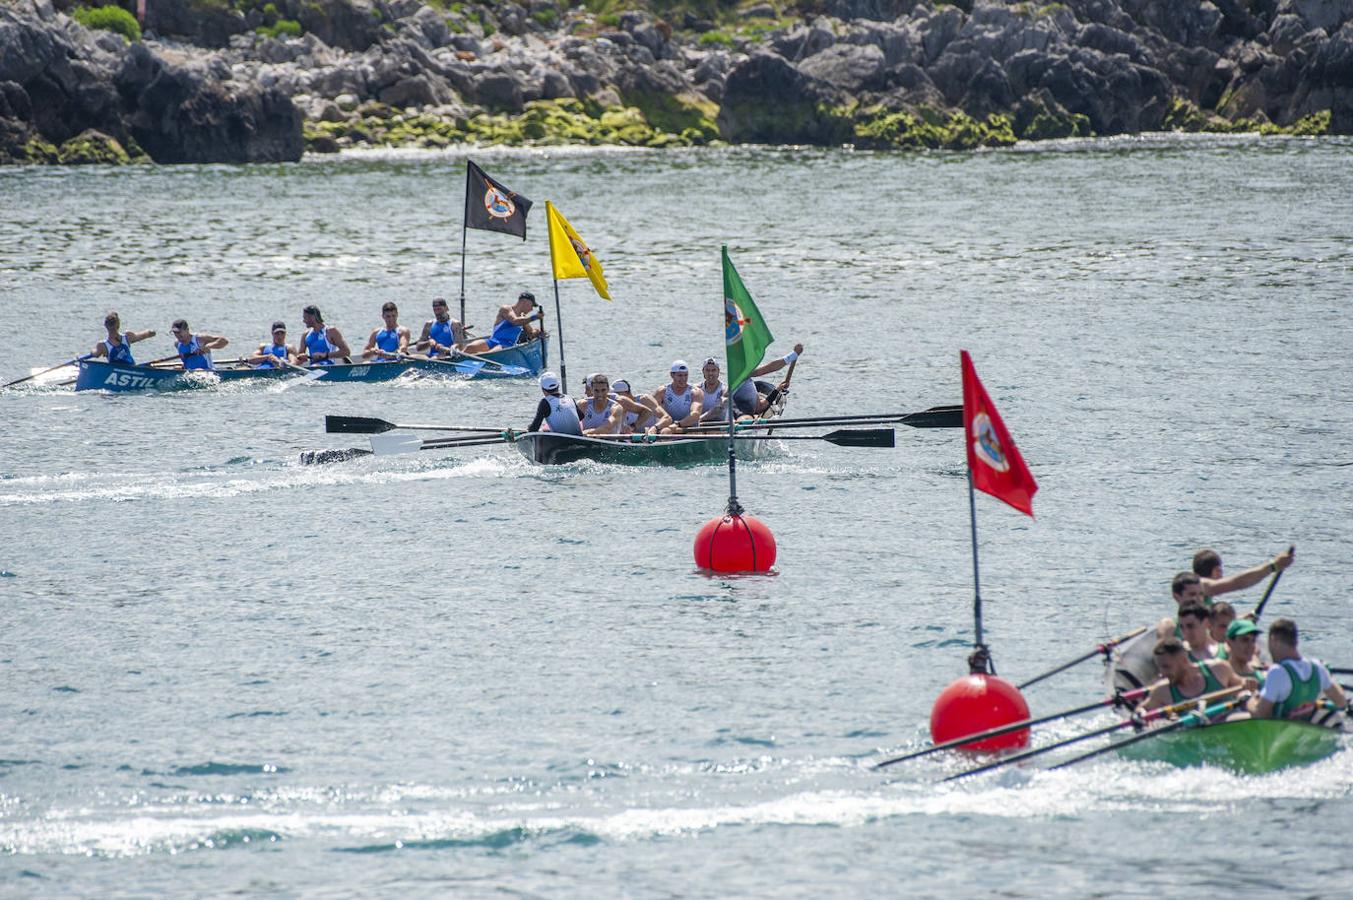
{"x": 117, "y": 346}
{"x": 439, "y": 338}
{"x": 275, "y": 353}
{"x": 512, "y": 325}
{"x": 390, "y": 342}
{"x": 322, "y": 345}
{"x": 195, "y": 349}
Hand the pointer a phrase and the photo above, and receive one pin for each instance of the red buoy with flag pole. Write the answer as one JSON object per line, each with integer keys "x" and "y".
{"x": 735, "y": 542}
{"x": 981, "y": 700}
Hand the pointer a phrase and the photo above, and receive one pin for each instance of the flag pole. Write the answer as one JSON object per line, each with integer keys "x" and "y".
{"x": 559, "y": 317}
{"x": 734, "y": 507}
{"x": 464, "y": 229}
{"x": 980, "y": 660}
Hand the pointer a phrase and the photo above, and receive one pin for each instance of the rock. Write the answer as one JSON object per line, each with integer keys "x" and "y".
{"x": 417, "y": 90}
{"x": 768, "y": 100}
{"x": 802, "y": 41}
{"x": 15, "y": 102}
{"x": 1327, "y": 14}
{"x": 953, "y": 71}
{"x": 760, "y": 11}
{"x": 92, "y": 147}
{"x": 1187, "y": 22}
{"x": 498, "y": 89}
{"x": 204, "y": 24}
{"x": 180, "y": 116}
{"x": 1285, "y": 32}
{"x": 877, "y": 10}
{"x": 432, "y": 26}
{"x": 939, "y": 30}
{"x": 350, "y": 24}
{"x": 848, "y": 67}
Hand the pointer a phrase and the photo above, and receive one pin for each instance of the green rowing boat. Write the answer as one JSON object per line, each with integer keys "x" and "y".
{"x": 1249, "y": 746}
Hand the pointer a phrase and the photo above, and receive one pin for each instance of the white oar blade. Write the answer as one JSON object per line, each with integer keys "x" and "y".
{"x": 393, "y": 442}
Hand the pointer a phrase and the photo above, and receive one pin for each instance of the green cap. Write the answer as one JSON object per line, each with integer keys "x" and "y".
{"x": 1239, "y": 627}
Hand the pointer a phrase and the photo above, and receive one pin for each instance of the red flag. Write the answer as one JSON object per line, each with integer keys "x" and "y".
{"x": 994, "y": 460}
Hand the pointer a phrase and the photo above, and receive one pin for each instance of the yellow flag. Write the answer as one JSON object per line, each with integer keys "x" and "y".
{"x": 569, "y": 254}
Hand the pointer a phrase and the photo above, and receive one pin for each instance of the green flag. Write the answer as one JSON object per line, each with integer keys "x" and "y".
{"x": 744, "y": 329}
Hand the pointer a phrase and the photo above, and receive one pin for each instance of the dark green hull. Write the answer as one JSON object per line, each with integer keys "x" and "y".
{"x": 559, "y": 449}
{"x": 1250, "y": 746}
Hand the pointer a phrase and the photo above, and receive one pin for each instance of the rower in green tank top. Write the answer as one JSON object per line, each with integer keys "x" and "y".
{"x": 1184, "y": 679}
{"x": 1242, "y": 652}
{"x": 1294, "y": 685}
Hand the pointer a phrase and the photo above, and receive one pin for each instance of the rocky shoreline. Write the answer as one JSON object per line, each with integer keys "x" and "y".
{"x": 239, "y": 81}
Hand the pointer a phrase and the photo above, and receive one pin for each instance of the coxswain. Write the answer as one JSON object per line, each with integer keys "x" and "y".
{"x": 678, "y": 402}
{"x": 1194, "y": 627}
{"x": 557, "y": 411}
{"x": 390, "y": 342}
{"x": 600, "y": 413}
{"x": 1293, "y": 685}
{"x": 195, "y": 349}
{"x": 639, "y": 411}
{"x": 117, "y": 346}
{"x": 513, "y": 322}
{"x": 712, "y": 392}
{"x": 1207, "y": 566}
{"x": 1241, "y": 652}
{"x": 321, "y": 344}
{"x": 441, "y": 334}
{"x": 1184, "y": 679}
{"x": 747, "y": 400}
{"x": 276, "y": 353}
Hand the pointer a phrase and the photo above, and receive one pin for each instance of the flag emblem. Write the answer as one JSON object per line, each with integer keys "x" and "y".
{"x": 988, "y": 444}
{"x": 584, "y": 255}
{"x": 498, "y": 204}
{"x": 732, "y": 321}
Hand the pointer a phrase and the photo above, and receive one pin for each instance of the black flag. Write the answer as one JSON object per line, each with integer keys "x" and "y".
{"x": 492, "y": 206}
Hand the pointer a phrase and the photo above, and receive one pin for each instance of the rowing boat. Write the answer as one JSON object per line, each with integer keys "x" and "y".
{"x": 531, "y": 355}
{"x": 1248, "y": 746}
{"x": 1252, "y": 746}
{"x": 551, "y": 449}
{"x": 99, "y": 375}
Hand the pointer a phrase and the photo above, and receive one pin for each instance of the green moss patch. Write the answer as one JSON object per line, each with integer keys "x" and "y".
{"x": 928, "y": 129}
{"x": 109, "y": 18}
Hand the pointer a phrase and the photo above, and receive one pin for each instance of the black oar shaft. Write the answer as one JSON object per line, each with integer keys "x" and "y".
{"x": 369, "y": 425}
{"x": 1103, "y": 648}
{"x": 1273, "y": 583}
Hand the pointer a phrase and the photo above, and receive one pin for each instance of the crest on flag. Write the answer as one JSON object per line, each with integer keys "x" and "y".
{"x": 498, "y": 204}
{"x": 987, "y": 443}
{"x": 584, "y": 255}
{"x": 732, "y": 321}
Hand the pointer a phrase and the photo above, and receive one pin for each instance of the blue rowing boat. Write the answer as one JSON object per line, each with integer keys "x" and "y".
{"x": 100, "y": 375}
{"x": 530, "y": 355}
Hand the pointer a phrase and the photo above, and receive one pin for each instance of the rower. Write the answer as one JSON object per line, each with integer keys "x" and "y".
{"x": 1207, "y": 566}
{"x": 195, "y": 349}
{"x": 1219, "y": 618}
{"x": 557, "y": 411}
{"x": 600, "y": 413}
{"x": 1241, "y": 651}
{"x": 1293, "y": 685}
{"x": 747, "y": 401}
{"x": 441, "y": 334}
{"x": 1184, "y": 679}
{"x": 678, "y": 402}
{"x": 1186, "y": 588}
{"x": 513, "y": 322}
{"x": 390, "y": 342}
{"x": 1194, "y": 623}
{"x": 639, "y": 411}
{"x": 117, "y": 346}
{"x": 712, "y": 407}
{"x": 321, "y": 343}
{"x": 276, "y": 353}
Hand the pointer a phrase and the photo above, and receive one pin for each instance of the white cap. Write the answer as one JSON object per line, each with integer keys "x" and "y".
{"x": 549, "y": 382}
{"x": 620, "y": 385}
{"x": 680, "y": 366}
{"x": 711, "y": 361}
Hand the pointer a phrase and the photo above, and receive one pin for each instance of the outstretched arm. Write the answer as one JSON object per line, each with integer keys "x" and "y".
{"x": 776, "y": 365}
{"x": 134, "y": 336}
{"x": 212, "y": 341}
{"x": 1248, "y": 578}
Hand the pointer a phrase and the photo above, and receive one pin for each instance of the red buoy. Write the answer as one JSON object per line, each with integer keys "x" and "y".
{"x": 735, "y": 544}
{"x": 975, "y": 703}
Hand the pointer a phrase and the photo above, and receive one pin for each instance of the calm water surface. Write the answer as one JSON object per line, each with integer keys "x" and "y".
{"x": 464, "y": 674}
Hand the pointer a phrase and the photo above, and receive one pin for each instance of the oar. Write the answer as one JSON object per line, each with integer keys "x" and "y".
{"x": 311, "y": 375}
{"x": 1136, "y": 719}
{"x": 1104, "y": 648}
{"x": 387, "y": 444}
{"x": 1339, "y": 670}
{"x": 1115, "y": 700}
{"x": 935, "y": 417}
{"x": 1188, "y": 721}
{"x": 1273, "y": 582}
{"x": 873, "y": 437}
{"x": 69, "y": 362}
{"x": 367, "y": 425}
